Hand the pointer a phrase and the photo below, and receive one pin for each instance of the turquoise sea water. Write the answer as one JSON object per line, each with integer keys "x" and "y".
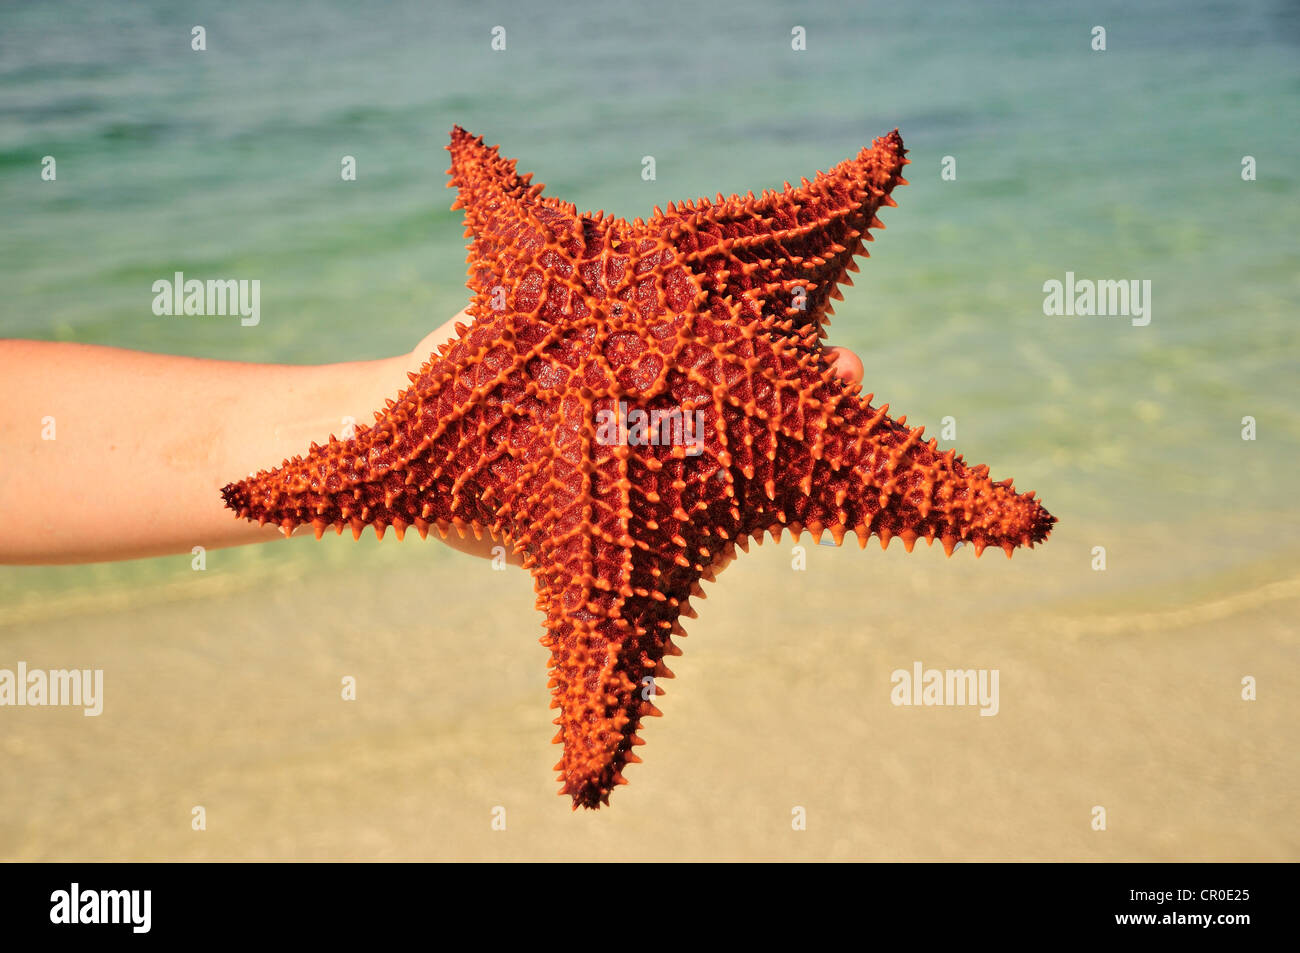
{"x": 1119, "y": 164}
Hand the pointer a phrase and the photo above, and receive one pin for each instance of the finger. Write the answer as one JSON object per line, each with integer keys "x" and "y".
{"x": 846, "y": 364}
{"x": 485, "y": 548}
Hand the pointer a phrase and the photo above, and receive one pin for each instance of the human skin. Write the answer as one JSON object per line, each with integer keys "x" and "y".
{"x": 142, "y": 443}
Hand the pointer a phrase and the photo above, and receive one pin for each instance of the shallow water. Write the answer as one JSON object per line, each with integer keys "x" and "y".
{"x": 1120, "y": 687}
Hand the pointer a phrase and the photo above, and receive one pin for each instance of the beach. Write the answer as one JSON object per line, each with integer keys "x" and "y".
{"x": 1146, "y": 654}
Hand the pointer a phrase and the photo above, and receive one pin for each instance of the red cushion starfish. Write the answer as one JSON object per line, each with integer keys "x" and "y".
{"x": 716, "y": 307}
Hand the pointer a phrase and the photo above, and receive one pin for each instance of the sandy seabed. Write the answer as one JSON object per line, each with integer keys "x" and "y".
{"x": 1116, "y": 691}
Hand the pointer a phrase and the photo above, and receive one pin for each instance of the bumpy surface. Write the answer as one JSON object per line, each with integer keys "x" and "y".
{"x": 716, "y": 307}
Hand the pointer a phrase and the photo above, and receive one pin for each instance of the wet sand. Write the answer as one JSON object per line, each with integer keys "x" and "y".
{"x": 222, "y": 689}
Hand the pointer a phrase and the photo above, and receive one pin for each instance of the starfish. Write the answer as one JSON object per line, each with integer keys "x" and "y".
{"x": 711, "y": 314}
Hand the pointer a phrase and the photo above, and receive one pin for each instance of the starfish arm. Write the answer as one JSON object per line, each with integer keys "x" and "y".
{"x": 481, "y": 172}
{"x": 611, "y": 595}
{"x": 524, "y": 248}
{"x": 786, "y": 253}
{"x": 849, "y": 467}
{"x": 607, "y": 650}
{"x": 433, "y": 456}
{"x": 356, "y": 482}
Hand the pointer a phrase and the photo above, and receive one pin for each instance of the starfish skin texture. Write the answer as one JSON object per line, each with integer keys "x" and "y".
{"x": 712, "y": 306}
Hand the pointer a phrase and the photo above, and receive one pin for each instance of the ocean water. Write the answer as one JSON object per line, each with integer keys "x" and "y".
{"x": 1117, "y": 164}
